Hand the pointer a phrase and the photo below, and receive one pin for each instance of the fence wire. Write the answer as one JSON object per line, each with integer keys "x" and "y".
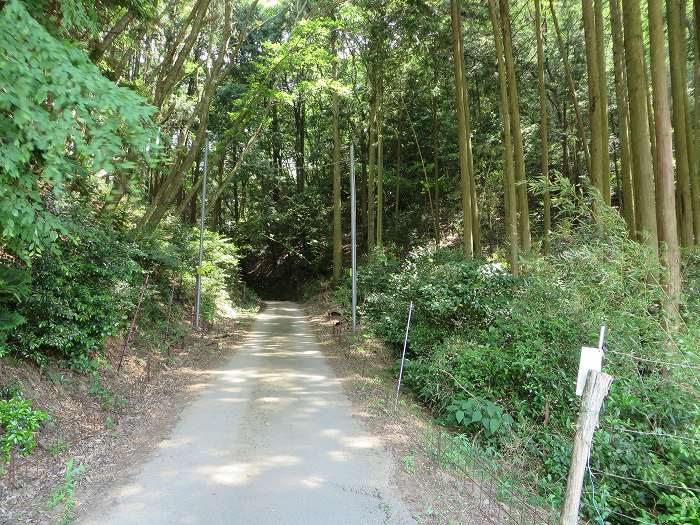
{"x": 497, "y": 495}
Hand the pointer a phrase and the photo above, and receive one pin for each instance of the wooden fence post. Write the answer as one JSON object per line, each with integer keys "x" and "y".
{"x": 597, "y": 385}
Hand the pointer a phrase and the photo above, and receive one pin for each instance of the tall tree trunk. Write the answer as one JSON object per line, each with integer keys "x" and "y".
{"x": 216, "y": 193}
{"x": 300, "y": 142}
{"x": 171, "y": 67}
{"x": 571, "y": 85}
{"x": 665, "y": 191}
{"x": 565, "y": 162}
{"x": 216, "y": 212}
{"x": 679, "y": 84}
{"x": 650, "y": 116}
{"x": 119, "y": 27}
{"x": 398, "y": 174}
{"x": 622, "y": 118}
{"x": 640, "y": 143}
{"x": 517, "y": 134}
{"x": 191, "y": 204}
{"x": 337, "y": 224}
{"x": 476, "y": 222}
{"x": 236, "y": 204}
{"x": 276, "y": 141}
{"x": 120, "y": 187}
{"x": 380, "y": 177}
{"x": 594, "y": 102}
{"x": 509, "y": 194}
{"x": 172, "y": 184}
{"x": 603, "y": 97}
{"x": 244, "y": 200}
{"x": 362, "y": 188}
{"x": 544, "y": 142}
{"x": 695, "y": 143}
{"x": 458, "y": 66}
{"x": 232, "y": 172}
{"x": 371, "y": 169}
{"x": 436, "y": 163}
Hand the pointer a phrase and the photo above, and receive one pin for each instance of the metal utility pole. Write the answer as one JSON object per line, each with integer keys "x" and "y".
{"x": 198, "y": 297}
{"x": 353, "y": 221}
{"x": 403, "y": 355}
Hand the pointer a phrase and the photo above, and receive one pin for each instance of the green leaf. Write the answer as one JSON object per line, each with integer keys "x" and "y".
{"x": 491, "y": 409}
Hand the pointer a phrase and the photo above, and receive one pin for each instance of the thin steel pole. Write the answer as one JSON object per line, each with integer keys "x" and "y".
{"x": 403, "y": 354}
{"x": 353, "y": 220}
{"x": 198, "y": 300}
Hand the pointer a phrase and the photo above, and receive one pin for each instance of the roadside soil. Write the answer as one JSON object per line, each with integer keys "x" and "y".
{"x": 108, "y": 424}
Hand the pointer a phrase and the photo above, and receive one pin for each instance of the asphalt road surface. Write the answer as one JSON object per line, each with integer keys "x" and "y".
{"x": 270, "y": 439}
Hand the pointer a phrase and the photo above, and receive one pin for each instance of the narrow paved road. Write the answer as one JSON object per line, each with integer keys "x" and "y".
{"x": 270, "y": 440}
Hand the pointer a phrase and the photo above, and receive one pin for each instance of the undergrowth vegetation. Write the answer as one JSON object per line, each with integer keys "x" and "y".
{"x": 87, "y": 288}
{"x": 496, "y": 356}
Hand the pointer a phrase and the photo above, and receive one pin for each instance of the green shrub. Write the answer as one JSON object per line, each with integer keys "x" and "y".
{"x": 19, "y": 422}
{"x": 78, "y": 296}
{"x": 219, "y": 270}
{"x": 88, "y": 288}
{"x": 485, "y": 415}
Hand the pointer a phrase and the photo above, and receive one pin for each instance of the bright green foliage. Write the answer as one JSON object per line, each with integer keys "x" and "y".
{"x": 409, "y": 464}
{"x": 447, "y": 291}
{"x": 62, "y": 16}
{"x": 219, "y": 271}
{"x": 480, "y": 413}
{"x": 481, "y": 338}
{"x": 58, "y": 447}
{"x": 681, "y": 509}
{"x": 19, "y": 422}
{"x": 61, "y": 121}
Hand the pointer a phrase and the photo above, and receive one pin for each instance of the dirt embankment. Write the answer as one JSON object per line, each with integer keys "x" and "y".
{"x": 106, "y": 420}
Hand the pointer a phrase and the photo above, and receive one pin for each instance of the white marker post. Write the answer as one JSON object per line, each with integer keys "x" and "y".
{"x": 198, "y": 295}
{"x": 403, "y": 355}
{"x": 353, "y": 222}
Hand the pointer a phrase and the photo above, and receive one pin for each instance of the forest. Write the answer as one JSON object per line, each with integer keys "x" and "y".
{"x": 526, "y": 172}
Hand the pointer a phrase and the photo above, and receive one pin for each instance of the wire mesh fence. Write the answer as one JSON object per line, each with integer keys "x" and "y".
{"x": 496, "y": 493}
